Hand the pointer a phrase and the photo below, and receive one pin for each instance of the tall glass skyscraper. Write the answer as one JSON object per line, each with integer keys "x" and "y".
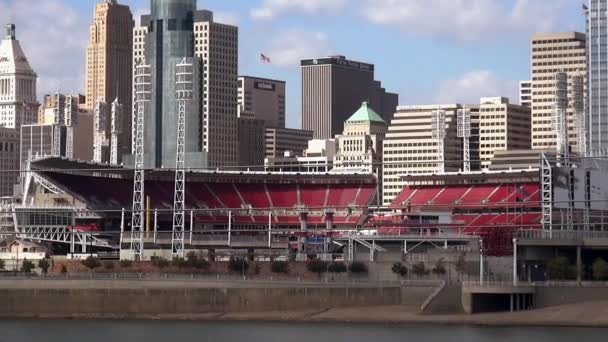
{"x": 597, "y": 76}
{"x": 168, "y": 41}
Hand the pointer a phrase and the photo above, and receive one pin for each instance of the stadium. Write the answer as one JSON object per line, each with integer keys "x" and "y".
{"x": 89, "y": 205}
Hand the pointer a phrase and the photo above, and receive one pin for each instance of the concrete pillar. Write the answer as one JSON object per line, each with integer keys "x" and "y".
{"x": 511, "y": 302}
{"x": 515, "y": 262}
{"x": 372, "y": 251}
{"x": 579, "y": 264}
{"x": 517, "y": 302}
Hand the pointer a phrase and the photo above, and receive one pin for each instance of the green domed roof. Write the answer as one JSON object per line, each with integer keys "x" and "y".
{"x": 365, "y": 113}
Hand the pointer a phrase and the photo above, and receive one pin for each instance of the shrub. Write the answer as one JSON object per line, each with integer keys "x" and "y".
{"x": 399, "y": 269}
{"x": 461, "y": 263}
{"x": 238, "y": 265}
{"x": 600, "y": 269}
{"x": 64, "y": 270}
{"x": 280, "y": 267}
{"x": 126, "y": 263}
{"x": 108, "y": 265}
{"x": 560, "y": 269}
{"x": 337, "y": 267}
{"x": 439, "y": 268}
{"x": 420, "y": 269}
{"x": 317, "y": 266}
{"x": 357, "y": 267}
{"x": 44, "y": 265}
{"x": 2, "y": 264}
{"x": 160, "y": 262}
{"x": 179, "y": 263}
{"x": 27, "y": 266}
{"x": 195, "y": 261}
{"x": 91, "y": 263}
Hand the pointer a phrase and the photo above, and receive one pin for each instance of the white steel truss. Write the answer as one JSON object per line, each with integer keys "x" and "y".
{"x": 547, "y": 192}
{"x": 143, "y": 87}
{"x": 46, "y": 184}
{"x": 115, "y": 130}
{"x": 60, "y": 234}
{"x": 184, "y": 81}
{"x": 438, "y": 128}
{"x": 464, "y": 132}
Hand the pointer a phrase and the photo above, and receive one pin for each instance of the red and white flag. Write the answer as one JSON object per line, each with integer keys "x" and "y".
{"x": 264, "y": 58}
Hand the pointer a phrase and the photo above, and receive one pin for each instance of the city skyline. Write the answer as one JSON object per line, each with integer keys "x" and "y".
{"x": 489, "y": 48}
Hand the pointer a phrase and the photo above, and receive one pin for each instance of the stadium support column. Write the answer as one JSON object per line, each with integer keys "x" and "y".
{"x": 184, "y": 85}
{"x": 438, "y": 128}
{"x": 142, "y": 97}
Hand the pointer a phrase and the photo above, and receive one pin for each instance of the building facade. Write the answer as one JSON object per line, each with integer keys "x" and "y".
{"x": 109, "y": 67}
{"x": 277, "y": 141}
{"x": 9, "y": 160}
{"x": 251, "y": 142}
{"x": 333, "y": 88}
{"x": 553, "y": 53}
{"x": 263, "y": 99}
{"x": 18, "y": 103}
{"x": 414, "y": 146}
{"x": 502, "y": 127}
{"x": 318, "y": 156}
{"x": 41, "y": 140}
{"x": 360, "y": 145}
{"x": 525, "y": 93}
{"x": 176, "y": 30}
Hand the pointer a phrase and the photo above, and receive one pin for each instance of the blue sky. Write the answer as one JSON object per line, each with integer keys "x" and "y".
{"x": 426, "y": 50}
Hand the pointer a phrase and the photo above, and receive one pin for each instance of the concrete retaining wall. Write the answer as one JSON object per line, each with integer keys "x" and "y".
{"x": 147, "y": 301}
{"x": 560, "y": 295}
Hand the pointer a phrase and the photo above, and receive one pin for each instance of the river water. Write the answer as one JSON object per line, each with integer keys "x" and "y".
{"x": 167, "y": 331}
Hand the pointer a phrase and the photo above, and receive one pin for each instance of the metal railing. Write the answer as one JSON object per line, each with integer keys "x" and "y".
{"x": 562, "y": 235}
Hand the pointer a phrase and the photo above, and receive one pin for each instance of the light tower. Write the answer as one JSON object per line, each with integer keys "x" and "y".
{"x": 578, "y": 102}
{"x": 115, "y": 130}
{"x": 184, "y": 89}
{"x": 438, "y": 128}
{"x": 560, "y": 116}
{"x": 143, "y": 87}
{"x": 71, "y": 120}
{"x": 99, "y": 130}
{"x": 58, "y": 121}
{"x": 464, "y": 132}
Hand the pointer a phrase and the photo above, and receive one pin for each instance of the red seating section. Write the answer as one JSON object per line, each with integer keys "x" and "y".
{"x": 115, "y": 194}
{"x": 470, "y": 196}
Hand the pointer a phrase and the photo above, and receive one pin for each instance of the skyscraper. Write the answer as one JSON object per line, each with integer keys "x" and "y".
{"x": 333, "y": 88}
{"x": 597, "y": 78}
{"x": 109, "y": 68}
{"x": 261, "y": 98}
{"x": 553, "y": 53}
{"x": 174, "y": 30}
{"x": 18, "y": 104}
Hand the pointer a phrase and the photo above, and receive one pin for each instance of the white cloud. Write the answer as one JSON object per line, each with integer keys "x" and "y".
{"x": 228, "y": 18}
{"x": 53, "y": 36}
{"x": 270, "y": 9}
{"x": 473, "y": 85}
{"x": 289, "y": 47}
{"x": 467, "y": 20}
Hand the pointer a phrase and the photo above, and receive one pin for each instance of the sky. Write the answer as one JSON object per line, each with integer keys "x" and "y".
{"x": 428, "y": 51}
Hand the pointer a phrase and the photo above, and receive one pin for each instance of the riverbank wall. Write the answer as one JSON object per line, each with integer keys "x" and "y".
{"x": 133, "y": 299}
